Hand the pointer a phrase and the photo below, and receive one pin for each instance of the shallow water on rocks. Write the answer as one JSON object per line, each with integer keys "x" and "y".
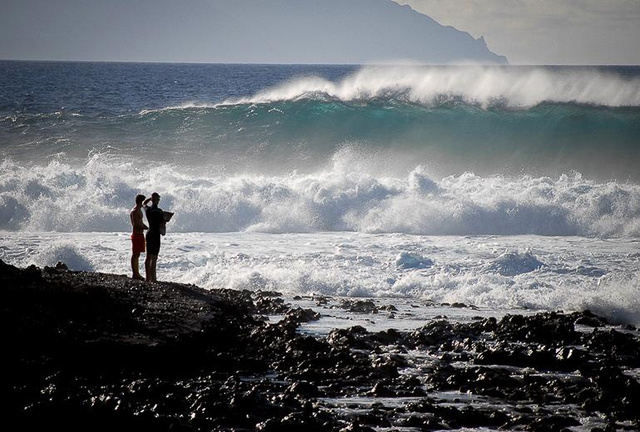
{"x": 496, "y": 274}
{"x": 409, "y": 315}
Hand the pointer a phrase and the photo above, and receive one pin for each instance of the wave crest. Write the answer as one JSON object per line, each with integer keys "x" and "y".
{"x": 485, "y": 86}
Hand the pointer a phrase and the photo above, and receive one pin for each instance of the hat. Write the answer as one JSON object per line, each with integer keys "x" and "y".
{"x": 155, "y": 195}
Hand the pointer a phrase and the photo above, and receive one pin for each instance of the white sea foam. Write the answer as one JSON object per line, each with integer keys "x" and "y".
{"x": 56, "y": 196}
{"x": 616, "y": 297}
{"x": 578, "y": 272}
{"x": 513, "y": 87}
{"x": 180, "y": 107}
{"x": 49, "y": 254}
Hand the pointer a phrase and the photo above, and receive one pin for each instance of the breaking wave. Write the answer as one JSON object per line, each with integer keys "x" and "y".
{"x": 488, "y": 120}
{"x": 345, "y": 197}
{"x": 512, "y": 87}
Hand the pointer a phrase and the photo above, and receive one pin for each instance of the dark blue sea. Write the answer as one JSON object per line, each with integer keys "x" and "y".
{"x": 277, "y": 119}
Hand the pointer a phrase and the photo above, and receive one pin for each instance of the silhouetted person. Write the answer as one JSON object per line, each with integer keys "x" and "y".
{"x": 137, "y": 236}
{"x": 155, "y": 218}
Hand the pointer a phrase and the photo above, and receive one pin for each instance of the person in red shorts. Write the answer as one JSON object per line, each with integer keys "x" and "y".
{"x": 137, "y": 236}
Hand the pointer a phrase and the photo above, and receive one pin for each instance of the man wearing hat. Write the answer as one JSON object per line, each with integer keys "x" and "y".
{"x": 155, "y": 218}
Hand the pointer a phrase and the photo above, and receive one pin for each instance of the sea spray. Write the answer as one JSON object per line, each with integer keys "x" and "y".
{"x": 489, "y": 86}
{"x": 616, "y": 298}
{"x": 93, "y": 197}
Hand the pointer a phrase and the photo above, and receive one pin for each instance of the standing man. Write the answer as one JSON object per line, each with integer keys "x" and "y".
{"x": 137, "y": 236}
{"x": 155, "y": 218}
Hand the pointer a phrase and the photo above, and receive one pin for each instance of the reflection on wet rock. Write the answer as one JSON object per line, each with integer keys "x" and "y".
{"x": 90, "y": 351}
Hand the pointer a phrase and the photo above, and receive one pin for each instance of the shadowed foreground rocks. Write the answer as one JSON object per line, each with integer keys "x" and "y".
{"x": 90, "y": 351}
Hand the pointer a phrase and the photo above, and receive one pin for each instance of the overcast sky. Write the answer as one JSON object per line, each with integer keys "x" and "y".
{"x": 546, "y": 31}
{"x": 525, "y": 31}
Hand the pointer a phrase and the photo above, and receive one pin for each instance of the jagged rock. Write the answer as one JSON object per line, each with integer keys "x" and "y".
{"x": 110, "y": 352}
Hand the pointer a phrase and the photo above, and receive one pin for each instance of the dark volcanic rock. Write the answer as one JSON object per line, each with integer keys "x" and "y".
{"x": 547, "y": 328}
{"x": 91, "y": 351}
{"x": 96, "y": 351}
{"x": 360, "y": 306}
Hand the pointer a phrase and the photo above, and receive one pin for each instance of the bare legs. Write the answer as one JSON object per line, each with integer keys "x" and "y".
{"x": 150, "y": 267}
{"x": 135, "y": 266}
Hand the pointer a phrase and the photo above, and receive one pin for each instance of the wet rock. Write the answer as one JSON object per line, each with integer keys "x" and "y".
{"x": 624, "y": 348}
{"x": 303, "y": 389}
{"x": 535, "y": 356}
{"x": 472, "y": 417}
{"x": 355, "y": 337}
{"x": 423, "y": 422}
{"x": 295, "y": 422}
{"x": 300, "y": 315}
{"x": 356, "y": 427}
{"x": 587, "y": 318}
{"x": 381, "y": 390}
{"x": 387, "y": 337}
{"x": 549, "y": 328}
{"x": 360, "y": 306}
{"x": 321, "y": 300}
{"x": 115, "y": 353}
{"x": 552, "y": 423}
{"x": 267, "y": 302}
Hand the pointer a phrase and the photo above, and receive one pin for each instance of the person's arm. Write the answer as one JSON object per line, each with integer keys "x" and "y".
{"x": 145, "y": 205}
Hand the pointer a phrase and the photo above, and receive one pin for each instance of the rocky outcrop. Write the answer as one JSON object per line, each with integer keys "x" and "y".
{"x": 91, "y": 351}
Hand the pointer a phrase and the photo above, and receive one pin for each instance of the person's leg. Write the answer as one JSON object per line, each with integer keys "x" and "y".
{"x": 138, "y": 247}
{"x": 153, "y": 268}
{"x": 147, "y": 267}
{"x": 135, "y": 265}
{"x": 150, "y": 267}
{"x": 155, "y": 263}
{"x": 153, "y": 247}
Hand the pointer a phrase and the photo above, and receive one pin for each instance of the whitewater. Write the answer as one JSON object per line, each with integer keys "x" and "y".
{"x": 505, "y": 188}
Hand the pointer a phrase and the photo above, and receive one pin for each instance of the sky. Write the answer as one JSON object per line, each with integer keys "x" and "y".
{"x": 576, "y": 32}
{"x": 231, "y": 31}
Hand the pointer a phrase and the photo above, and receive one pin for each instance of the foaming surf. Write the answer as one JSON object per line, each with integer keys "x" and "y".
{"x": 491, "y": 274}
{"x": 62, "y": 252}
{"x": 344, "y": 197}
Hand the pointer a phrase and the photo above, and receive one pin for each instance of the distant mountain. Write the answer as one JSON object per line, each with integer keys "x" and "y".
{"x": 233, "y": 31}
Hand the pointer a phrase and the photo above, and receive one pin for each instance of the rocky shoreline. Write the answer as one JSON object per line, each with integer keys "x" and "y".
{"x": 90, "y": 351}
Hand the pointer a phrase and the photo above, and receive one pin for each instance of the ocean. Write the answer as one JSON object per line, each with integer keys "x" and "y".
{"x": 505, "y": 188}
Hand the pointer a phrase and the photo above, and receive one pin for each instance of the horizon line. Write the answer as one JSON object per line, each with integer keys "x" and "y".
{"x": 398, "y": 63}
